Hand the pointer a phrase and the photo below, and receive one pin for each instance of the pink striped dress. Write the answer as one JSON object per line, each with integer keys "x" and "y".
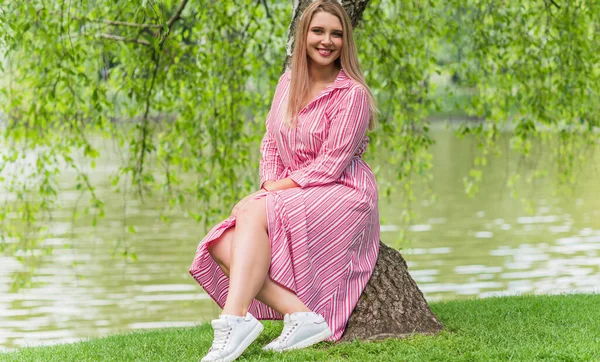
{"x": 324, "y": 234}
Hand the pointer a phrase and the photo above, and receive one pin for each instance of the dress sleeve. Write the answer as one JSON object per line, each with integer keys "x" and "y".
{"x": 271, "y": 164}
{"x": 346, "y": 133}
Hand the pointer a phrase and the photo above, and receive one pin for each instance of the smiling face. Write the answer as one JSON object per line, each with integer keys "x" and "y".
{"x": 324, "y": 39}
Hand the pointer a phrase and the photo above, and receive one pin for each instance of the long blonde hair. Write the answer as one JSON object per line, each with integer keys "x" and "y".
{"x": 348, "y": 60}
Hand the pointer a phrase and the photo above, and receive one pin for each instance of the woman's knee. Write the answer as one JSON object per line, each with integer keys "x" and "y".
{"x": 254, "y": 211}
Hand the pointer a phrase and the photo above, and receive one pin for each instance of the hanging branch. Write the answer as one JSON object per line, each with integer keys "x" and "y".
{"x": 156, "y": 56}
{"x": 145, "y": 119}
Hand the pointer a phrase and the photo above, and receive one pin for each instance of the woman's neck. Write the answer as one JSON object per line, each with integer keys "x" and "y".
{"x": 323, "y": 75}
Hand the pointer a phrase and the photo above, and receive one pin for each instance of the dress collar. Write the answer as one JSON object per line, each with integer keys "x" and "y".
{"x": 342, "y": 80}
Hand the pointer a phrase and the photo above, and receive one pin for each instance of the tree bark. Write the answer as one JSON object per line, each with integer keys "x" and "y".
{"x": 391, "y": 306}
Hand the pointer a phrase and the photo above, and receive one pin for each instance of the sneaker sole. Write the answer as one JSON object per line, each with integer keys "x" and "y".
{"x": 307, "y": 342}
{"x": 247, "y": 342}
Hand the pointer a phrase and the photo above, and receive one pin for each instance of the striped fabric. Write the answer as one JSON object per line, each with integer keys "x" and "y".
{"x": 324, "y": 234}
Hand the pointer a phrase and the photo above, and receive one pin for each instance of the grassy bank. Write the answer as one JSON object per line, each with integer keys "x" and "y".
{"x": 523, "y": 328}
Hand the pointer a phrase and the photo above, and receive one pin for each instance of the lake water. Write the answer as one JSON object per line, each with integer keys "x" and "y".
{"x": 459, "y": 247}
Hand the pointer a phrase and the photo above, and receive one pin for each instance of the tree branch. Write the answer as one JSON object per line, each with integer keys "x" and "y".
{"x": 177, "y": 14}
{"x": 123, "y": 39}
{"x": 264, "y": 2}
{"x": 124, "y": 23}
{"x": 170, "y": 23}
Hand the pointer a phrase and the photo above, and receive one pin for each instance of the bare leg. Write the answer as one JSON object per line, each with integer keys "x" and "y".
{"x": 224, "y": 251}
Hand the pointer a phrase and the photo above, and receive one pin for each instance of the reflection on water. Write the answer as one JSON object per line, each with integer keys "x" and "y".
{"x": 460, "y": 247}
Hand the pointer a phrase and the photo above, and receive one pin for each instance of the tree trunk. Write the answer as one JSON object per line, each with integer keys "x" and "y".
{"x": 391, "y": 306}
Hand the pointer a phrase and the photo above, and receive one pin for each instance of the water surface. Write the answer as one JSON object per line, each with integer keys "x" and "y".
{"x": 460, "y": 247}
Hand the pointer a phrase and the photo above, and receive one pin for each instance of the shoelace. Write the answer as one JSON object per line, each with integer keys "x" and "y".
{"x": 221, "y": 338}
{"x": 288, "y": 329}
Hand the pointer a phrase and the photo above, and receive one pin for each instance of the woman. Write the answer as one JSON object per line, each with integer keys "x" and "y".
{"x": 304, "y": 246}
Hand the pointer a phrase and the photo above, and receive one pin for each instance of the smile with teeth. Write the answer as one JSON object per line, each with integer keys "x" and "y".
{"x": 324, "y": 52}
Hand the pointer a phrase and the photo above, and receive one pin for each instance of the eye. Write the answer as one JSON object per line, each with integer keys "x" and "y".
{"x": 337, "y": 35}
{"x": 317, "y": 31}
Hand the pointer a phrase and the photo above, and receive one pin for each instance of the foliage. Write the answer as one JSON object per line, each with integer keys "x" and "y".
{"x": 181, "y": 110}
{"x": 183, "y": 95}
{"x": 404, "y": 46}
{"x": 533, "y": 66}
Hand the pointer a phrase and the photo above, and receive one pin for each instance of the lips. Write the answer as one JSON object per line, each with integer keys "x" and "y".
{"x": 324, "y": 52}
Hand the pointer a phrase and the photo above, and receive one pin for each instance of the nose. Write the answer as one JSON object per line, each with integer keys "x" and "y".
{"x": 326, "y": 40}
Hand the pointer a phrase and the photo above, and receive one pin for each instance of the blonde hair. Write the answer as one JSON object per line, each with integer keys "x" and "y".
{"x": 348, "y": 60}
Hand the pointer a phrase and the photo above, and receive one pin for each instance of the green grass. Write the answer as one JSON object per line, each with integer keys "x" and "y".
{"x": 519, "y": 328}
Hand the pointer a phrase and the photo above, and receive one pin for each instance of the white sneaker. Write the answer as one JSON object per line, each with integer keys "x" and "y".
{"x": 232, "y": 339}
{"x": 300, "y": 330}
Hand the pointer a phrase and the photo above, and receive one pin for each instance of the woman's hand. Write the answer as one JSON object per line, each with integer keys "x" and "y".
{"x": 266, "y": 184}
{"x": 240, "y": 204}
